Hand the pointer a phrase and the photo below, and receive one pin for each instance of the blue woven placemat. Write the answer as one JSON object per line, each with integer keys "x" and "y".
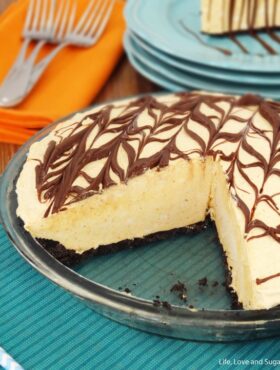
{"x": 43, "y": 327}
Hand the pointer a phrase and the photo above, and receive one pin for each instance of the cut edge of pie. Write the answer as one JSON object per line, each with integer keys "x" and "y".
{"x": 86, "y": 186}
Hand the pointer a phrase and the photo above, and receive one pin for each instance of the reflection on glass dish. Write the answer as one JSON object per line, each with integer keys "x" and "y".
{"x": 135, "y": 286}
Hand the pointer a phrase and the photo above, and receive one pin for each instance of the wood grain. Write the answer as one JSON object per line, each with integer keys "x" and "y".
{"x": 4, "y": 4}
{"x": 124, "y": 81}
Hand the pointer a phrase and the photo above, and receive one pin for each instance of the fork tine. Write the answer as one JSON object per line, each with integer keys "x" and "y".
{"x": 84, "y": 16}
{"x": 96, "y": 32}
{"x": 27, "y": 24}
{"x": 62, "y": 25}
{"x": 97, "y": 10}
{"x": 58, "y": 16}
{"x": 36, "y": 15}
{"x": 71, "y": 19}
{"x": 43, "y": 15}
{"x": 51, "y": 17}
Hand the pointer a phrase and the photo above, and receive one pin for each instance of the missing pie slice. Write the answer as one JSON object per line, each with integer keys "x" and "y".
{"x": 125, "y": 171}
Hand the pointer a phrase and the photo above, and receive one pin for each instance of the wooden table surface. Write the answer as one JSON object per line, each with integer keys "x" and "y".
{"x": 124, "y": 81}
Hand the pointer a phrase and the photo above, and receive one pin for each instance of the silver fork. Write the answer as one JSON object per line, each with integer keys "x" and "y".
{"x": 35, "y": 29}
{"x": 62, "y": 30}
{"x": 39, "y": 25}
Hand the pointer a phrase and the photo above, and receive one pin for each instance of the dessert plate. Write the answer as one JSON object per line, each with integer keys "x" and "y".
{"x": 264, "y": 79}
{"x": 174, "y": 27}
{"x": 134, "y": 286}
{"x": 162, "y": 74}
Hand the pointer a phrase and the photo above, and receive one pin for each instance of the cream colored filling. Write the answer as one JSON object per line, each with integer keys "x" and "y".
{"x": 231, "y": 236}
{"x": 215, "y": 15}
{"x": 173, "y": 197}
{"x": 176, "y": 196}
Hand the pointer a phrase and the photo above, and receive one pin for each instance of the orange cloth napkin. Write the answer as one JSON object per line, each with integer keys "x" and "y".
{"x": 71, "y": 81}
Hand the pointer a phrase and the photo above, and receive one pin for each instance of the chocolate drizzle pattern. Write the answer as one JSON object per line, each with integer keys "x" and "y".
{"x": 200, "y": 40}
{"x": 247, "y": 13}
{"x": 127, "y": 140}
{"x": 250, "y": 8}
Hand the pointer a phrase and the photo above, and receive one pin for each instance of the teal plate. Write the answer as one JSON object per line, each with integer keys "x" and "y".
{"x": 159, "y": 22}
{"x": 174, "y": 79}
{"x": 263, "y": 79}
{"x": 123, "y": 286}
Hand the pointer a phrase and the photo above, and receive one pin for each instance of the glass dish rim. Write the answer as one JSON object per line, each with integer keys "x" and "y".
{"x": 99, "y": 294}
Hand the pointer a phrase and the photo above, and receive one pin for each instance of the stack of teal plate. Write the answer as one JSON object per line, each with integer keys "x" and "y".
{"x": 164, "y": 43}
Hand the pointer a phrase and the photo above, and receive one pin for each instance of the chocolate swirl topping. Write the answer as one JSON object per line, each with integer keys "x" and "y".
{"x": 246, "y": 14}
{"x": 250, "y": 8}
{"x": 116, "y": 143}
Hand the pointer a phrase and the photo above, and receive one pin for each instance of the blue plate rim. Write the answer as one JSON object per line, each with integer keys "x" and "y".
{"x": 189, "y": 67}
{"x": 134, "y": 23}
{"x": 158, "y": 75}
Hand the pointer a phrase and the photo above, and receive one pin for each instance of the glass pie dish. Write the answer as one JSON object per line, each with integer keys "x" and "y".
{"x": 137, "y": 287}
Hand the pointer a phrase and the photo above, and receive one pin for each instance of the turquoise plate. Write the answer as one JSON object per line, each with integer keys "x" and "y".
{"x": 160, "y": 22}
{"x": 270, "y": 79}
{"x": 174, "y": 79}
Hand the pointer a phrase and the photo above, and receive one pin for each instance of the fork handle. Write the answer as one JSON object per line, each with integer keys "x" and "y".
{"x": 20, "y": 58}
{"x": 21, "y": 82}
{"x": 40, "y": 68}
{"x": 13, "y": 88}
{"x": 11, "y": 75}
